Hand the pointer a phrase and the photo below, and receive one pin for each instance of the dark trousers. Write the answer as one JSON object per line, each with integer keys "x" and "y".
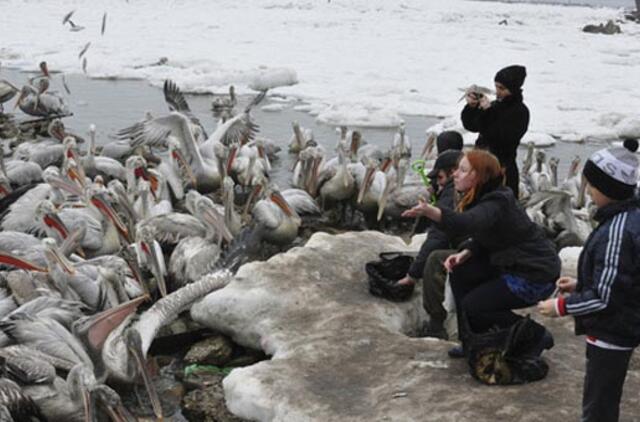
{"x": 512, "y": 176}
{"x": 434, "y": 279}
{"x": 603, "y": 382}
{"x": 482, "y": 297}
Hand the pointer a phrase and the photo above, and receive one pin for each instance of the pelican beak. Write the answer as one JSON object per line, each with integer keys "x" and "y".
{"x": 252, "y": 196}
{"x": 232, "y": 157}
{"x": 156, "y": 260}
{"x": 19, "y": 100}
{"x": 12, "y": 260}
{"x": 103, "y": 323}
{"x": 368, "y": 178}
{"x": 4, "y": 191}
{"x": 216, "y": 221}
{"x": 60, "y": 183}
{"x": 382, "y": 202}
{"x": 186, "y": 166}
{"x": 64, "y": 263}
{"x": 134, "y": 345}
{"x": 103, "y": 206}
{"x": 53, "y": 221}
{"x": 279, "y": 200}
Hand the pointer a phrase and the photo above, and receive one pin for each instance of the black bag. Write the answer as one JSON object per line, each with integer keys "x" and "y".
{"x": 501, "y": 357}
{"x": 385, "y": 272}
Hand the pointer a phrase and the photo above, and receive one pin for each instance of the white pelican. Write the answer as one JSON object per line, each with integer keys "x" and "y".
{"x": 7, "y": 92}
{"x": 127, "y": 344}
{"x": 335, "y": 182}
{"x": 223, "y": 102}
{"x": 301, "y": 139}
{"x": 146, "y": 206}
{"x": 401, "y": 142}
{"x": 371, "y": 188}
{"x": 105, "y": 166}
{"x": 277, "y": 220}
{"x": 41, "y": 104}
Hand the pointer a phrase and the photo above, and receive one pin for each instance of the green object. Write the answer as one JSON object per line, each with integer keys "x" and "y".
{"x": 190, "y": 369}
{"x": 419, "y": 167}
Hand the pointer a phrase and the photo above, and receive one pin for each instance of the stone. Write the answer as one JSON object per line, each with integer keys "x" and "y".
{"x": 207, "y": 404}
{"x": 610, "y": 28}
{"x": 340, "y": 354}
{"x": 216, "y": 350}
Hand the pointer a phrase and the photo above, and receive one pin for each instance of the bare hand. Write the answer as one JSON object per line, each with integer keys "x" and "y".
{"x": 472, "y": 99}
{"x": 548, "y": 307}
{"x": 566, "y": 284}
{"x": 406, "y": 280}
{"x": 456, "y": 259}
{"x": 422, "y": 209}
{"x": 484, "y": 103}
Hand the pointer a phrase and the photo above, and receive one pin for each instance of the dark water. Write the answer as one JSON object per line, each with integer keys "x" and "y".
{"x": 115, "y": 104}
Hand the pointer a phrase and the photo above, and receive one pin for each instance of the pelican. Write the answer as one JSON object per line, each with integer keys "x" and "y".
{"x": 194, "y": 257}
{"x": 105, "y": 166}
{"x": 335, "y": 182}
{"x": 149, "y": 255}
{"x": 20, "y": 173}
{"x": 15, "y": 405}
{"x": 206, "y": 174}
{"x": 232, "y": 219}
{"x": 301, "y": 139}
{"x": 41, "y": 104}
{"x": 540, "y": 176}
{"x": 146, "y": 206}
{"x": 401, "y": 142}
{"x": 222, "y": 102}
{"x": 7, "y": 92}
{"x": 371, "y": 188}
{"x": 128, "y": 343}
{"x": 279, "y": 222}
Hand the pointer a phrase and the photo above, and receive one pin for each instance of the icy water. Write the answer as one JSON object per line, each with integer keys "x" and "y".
{"x": 115, "y": 104}
{"x": 630, "y": 4}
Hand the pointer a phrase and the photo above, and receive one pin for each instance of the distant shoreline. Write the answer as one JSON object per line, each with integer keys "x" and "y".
{"x": 627, "y": 4}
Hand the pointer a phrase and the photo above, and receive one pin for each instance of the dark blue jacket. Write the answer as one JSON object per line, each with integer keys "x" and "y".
{"x": 606, "y": 303}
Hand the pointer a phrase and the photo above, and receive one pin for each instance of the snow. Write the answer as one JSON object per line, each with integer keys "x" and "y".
{"x": 355, "y": 62}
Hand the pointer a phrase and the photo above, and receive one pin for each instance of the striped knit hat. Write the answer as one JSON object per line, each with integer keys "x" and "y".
{"x": 614, "y": 171}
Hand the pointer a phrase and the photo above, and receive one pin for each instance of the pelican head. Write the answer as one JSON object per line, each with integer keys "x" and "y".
{"x": 152, "y": 254}
{"x": 47, "y": 214}
{"x": 56, "y": 129}
{"x": 55, "y": 257}
{"x": 99, "y": 199}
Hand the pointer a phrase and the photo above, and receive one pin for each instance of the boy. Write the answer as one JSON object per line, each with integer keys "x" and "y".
{"x": 433, "y": 289}
{"x": 605, "y": 299}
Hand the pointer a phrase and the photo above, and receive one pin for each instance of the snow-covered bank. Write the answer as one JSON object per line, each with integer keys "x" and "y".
{"x": 355, "y": 61}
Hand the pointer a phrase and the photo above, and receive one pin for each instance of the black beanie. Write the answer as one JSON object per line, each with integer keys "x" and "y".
{"x": 512, "y": 77}
{"x": 449, "y": 139}
{"x": 613, "y": 171}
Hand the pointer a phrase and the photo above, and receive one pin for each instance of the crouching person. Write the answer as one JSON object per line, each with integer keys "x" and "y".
{"x": 605, "y": 299}
{"x": 437, "y": 240}
{"x": 508, "y": 263}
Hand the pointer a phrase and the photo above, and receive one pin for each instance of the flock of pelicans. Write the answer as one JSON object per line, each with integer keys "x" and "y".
{"x": 156, "y": 215}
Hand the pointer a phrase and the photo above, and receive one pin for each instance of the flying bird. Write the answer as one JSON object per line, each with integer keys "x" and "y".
{"x": 104, "y": 23}
{"x": 67, "y": 17}
{"x": 84, "y": 49}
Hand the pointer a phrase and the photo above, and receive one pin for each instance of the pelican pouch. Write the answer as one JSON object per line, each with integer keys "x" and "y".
{"x": 502, "y": 357}
{"x": 385, "y": 272}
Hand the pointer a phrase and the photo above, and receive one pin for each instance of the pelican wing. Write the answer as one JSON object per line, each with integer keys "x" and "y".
{"x": 238, "y": 130}
{"x": 301, "y": 201}
{"x": 267, "y": 214}
{"x": 23, "y": 172}
{"x": 170, "y": 228}
{"x": 111, "y": 168}
{"x": 21, "y": 216}
{"x": 49, "y": 337}
{"x": 84, "y": 219}
{"x": 13, "y": 241}
{"x": 174, "y": 97}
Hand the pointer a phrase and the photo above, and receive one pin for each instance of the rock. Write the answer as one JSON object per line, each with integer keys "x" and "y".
{"x": 609, "y": 28}
{"x": 216, "y": 350}
{"x": 339, "y": 353}
{"x": 207, "y": 404}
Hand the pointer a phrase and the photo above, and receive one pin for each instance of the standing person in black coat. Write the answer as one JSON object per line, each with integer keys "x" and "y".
{"x": 508, "y": 262}
{"x": 502, "y": 123}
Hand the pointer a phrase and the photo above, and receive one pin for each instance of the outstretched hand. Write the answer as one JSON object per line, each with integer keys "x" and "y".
{"x": 420, "y": 210}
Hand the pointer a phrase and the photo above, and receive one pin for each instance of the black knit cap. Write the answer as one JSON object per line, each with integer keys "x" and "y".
{"x": 613, "y": 171}
{"x": 446, "y": 161}
{"x": 448, "y": 140}
{"x": 512, "y": 77}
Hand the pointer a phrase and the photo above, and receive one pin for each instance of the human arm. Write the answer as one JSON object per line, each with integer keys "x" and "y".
{"x": 456, "y": 259}
{"x": 425, "y": 210}
{"x": 436, "y": 239}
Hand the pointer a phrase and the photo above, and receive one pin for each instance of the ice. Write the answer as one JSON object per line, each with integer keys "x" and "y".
{"x": 356, "y": 62}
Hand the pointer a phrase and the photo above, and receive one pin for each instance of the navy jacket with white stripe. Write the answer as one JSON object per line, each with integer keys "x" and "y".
{"x": 606, "y": 303}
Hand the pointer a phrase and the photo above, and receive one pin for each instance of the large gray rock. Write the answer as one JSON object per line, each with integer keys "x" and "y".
{"x": 339, "y": 354}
